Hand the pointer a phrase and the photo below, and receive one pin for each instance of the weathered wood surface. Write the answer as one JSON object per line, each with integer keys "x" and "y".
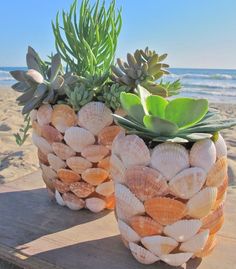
{"x": 35, "y": 233}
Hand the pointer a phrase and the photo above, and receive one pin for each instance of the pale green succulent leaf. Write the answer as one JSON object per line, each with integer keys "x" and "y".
{"x": 143, "y": 93}
{"x": 156, "y": 106}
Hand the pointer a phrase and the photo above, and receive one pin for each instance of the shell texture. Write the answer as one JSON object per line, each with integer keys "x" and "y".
{"x": 217, "y": 173}
{"x": 60, "y": 186}
{"x": 106, "y": 188}
{"x": 209, "y": 246}
{"x": 127, "y": 232}
{"x": 63, "y": 151}
{"x": 108, "y": 134}
{"x": 104, "y": 163}
{"x": 42, "y": 157}
{"x": 72, "y": 201}
{"x": 117, "y": 169}
{"x": 59, "y": 199}
{"x": 81, "y": 189}
{"x": 95, "y": 204}
{"x": 51, "y": 134}
{"x": 95, "y": 176}
{"x": 68, "y": 176}
{"x": 176, "y": 259}
{"x": 55, "y": 162}
{"x": 212, "y": 219}
{"x": 221, "y": 148}
{"x": 95, "y": 153}
{"x": 42, "y": 144}
{"x": 48, "y": 175}
{"x": 110, "y": 201}
{"x": 78, "y": 164}
{"x": 44, "y": 115}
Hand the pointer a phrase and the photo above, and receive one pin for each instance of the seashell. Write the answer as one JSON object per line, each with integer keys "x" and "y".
{"x": 208, "y": 248}
{"x": 188, "y": 182}
{"x": 95, "y": 176}
{"x": 95, "y": 204}
{"x": 196, "y": 243}
{"x": 42, "y": 144}
{"x": 59, "y": 199}
{"x": 37, "y": 128}
{"x": 78, "y": 138}
{"x": 201, "y": 203}
{"x": 217, "y": 173}
{"x": 60, "y": 186}
{"x": 176, "y": 259}
{"x": 222, "y": 189}
{"x": 81, "y": 189}
{"x": 118, "y": 140}
{"x": 165, "y": 210}
{"x": 42, "y": 157}
{"x": 110, "y": 201}
{"x": 128, "y": 233}
{"x": 145, "y": 182}
{"x": 183, "y": 230}
{"x": 106, "y": 188}
{"x": 108, "y": 134}
{"x": 145, "y": 226}
{"x": 68, "y": 176}
{"x": 63, "y": 117}
{"x": 221, "y": 148}
{"x": 55, "y": 162}
{"x": 104, "y": 163}
{"x": 203, "y": 154}
{"x": 159, "y": 245}
{"x": 117, "y": 169}
{"x": 48, "y": 175}
{"x": 127, "y": 205}
{"x": 142, "y": 255}
{"x": 95, "y": 153}
{"x": 51, "y": 134}
{"x": 63, "y": 151}
{"x": 44, "y": 114}
{"x": 72, "y": 201}
{"x": 169, "y": 159}
{"x": 33, "y": 115}
{"x": 94, "y": 116}
{"x": 78, "y": 164}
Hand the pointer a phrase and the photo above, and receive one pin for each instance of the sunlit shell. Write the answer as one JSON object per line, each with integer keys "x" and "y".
{"x": 159, "y": 245}
{"x": 220, "y": 201}
{"x": 145, "y": 182}
{"x": 165, "y": 210}
{"x": 188, "y": 182}
{"x": 127, "y": 232}
{"x": 169, "y": 159}
{"x": 209, "y": 246}
{"x": 42, "y": 157}
{"x": 95, "y": 204}
{"x": 183, "y": 230}
{"x": 72, "y": 201}
{"x": 106, "y": 188}
{"x": 63, "y": 151}
{"x": 176, "y": 259}
{"x": 51, "y": 134}
{"x": 142, "y": 255}
{"x": 145, "y": 226}
{"x": 95, "y": 176}
{"x": 107, "y": 135}
{"x": 78, "y": 138}
{"x": 201, "y": 203}
{"x": 37, "y": 128}
{"x": 81, "y": 189}
{"x": 221, "y": 148}
{"x": 217, "y": 173}
{"x": 60, "y": 186}
{"x": 203, "y": 154}
{"x": 110, "y": 201}
{"x": 214, "y": 220}
{"x": 94, "y": 153}
{"x": 94, "y": 116}
{"x": 118, "y": 140}
{"x": 42, "y": 144}
{"x": 59, "y": 199}
{"x": 48, "y": 175}
{"x": 44, "y": 114}
{"x": 68, "y": 176}
{"x": 222, "y": 189}
{"x": 117, "y": 169}
{"x": 78, "y": 164}
{"x": 104, "y": 163}
{"x": 63, "y": 117}
{"x": 55, "y": 162}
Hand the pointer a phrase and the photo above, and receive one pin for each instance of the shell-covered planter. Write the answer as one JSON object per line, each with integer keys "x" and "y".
{"x": 169, "y": 197}
{"x": 74, "y": 153}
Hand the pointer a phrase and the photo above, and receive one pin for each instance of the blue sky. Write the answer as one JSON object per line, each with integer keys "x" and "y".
{"x": 198, "y": 33}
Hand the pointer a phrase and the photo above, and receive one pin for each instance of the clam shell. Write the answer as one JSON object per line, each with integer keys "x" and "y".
{"x": 221, "y": 148}
{"x": 63, "y": 117}
{"x": 42, "y": 144}
{"x": 81, "y": 189}
{"x": 117, "y": 169}
{"x": 203, "y": 154}
{"x": 48, "y": 175}
{"x": 104, "y": 163}
{"x": 110, "y": 201}
{"x": 72, "y": 201}
{"x": 169, "y": 159}
{"x": 59, "y": 199}
{"x": 37, "y": 128}
{"x": 68, "y": 176}
{"x": 183, "y": 230}
{"x": 95, "y": 204}
{"x": 142, "y": 255}
{"x": 78, "y": 138}
{"x": 51, "y": 134}
{"x": 95, "y": 176}
{"x": 165, "y": 210}
{"x": 78, "y": 164}
{"x": 176, "y": 259}
{"x": 44, "y": 114}
{"x": 60, "y": 186}
{"x": 201, "y": 203}
{"x": 55, "y": 162}
{"x": 106, "y": 188}
{"x": 127, "y": 232}
{"x": 95, "y": 153}
{"x": 63, "y": 151}
{"x": 209, "y": 246}
{"x": 108, "y": 134}
{"x": 42, "y": 157}
{"x": 94, "y": 116}
{"x": 188, "y": 182}
{"x": 145, "y": 182}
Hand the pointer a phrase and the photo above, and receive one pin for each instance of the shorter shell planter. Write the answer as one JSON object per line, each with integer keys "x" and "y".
{"x": 169, "y": 199}
{"x": 74, "y": 154}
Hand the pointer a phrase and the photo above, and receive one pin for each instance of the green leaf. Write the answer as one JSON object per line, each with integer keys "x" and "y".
{"x": 143, "y": 93}
{"x": 156, "y": 106}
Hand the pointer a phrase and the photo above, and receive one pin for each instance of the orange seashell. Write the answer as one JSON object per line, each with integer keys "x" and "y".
{"x": 68, "y": 176}
{"x": 82, "y": 189}
{"x": 55, "y": 162}
{"x": 44, "y": 114}
{"x": 219, "y": 202}
{"x": 104, "y": 163}
{"x": 78, "y": 164}
{"x": 95, "y": 153}
{"x": 63, "y": 151}
{"x": 63, "y": 117}
{"x": 95, "y": 176}
{"x": 217, "y": 173}
{"x": 51, "y": 134}
{"x": 42, "y": 157}
{"x": 37, "y": 128}
{"x": 208, "y": 248}
{"x": 222, "y": 189}
{"x": 72, "y": 201}
{"x": 60, "y": 186}
{"x": 165, "y": 210}
{"x": 108, "y": 134}
{"x": 110, "y": 201}
{"x": 106, "y": 188}
{"x": 145, "y": 226}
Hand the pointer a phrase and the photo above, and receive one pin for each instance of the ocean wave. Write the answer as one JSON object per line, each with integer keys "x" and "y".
{"x": 210, "y": 86}
{"x": 204, "y": 76}
{"x": 210, "y": 93}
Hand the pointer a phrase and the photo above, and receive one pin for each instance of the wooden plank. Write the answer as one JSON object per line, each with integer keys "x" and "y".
{"x": 35, "y": 233}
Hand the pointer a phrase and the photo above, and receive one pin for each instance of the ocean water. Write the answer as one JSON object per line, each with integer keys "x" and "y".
{"x": 217, "y": 85}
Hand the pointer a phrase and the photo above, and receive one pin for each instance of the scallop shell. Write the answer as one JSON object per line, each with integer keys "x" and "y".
{"x": 110, "y": 201}
{"x": 209, "y": 246}
{"x": 104, "y": 163}
{"x": 78, "y": 164}
{"x": 183, "y": 230}
{"x": 222, "y": 189}
{"x": 117, "y": 169}
{"x": 95, "y": 204}
{"x": 42, "y": 157}
{"x": 78, "y": 138}
{"x": 48, "y": 175}
{"x": 221, "y": 148}
{"x": 201, "y": 203}
{"x": 94, "y": 116}
{"x": 37, "y": 128}
{"x": 63, "y": 117}
{"x": 82, "y": 189}
{"x": 217, "y": 173}
{"x": 51, "y": 134}
{"x": 68, "y": 176}
{"x": 214, "y": 220}
{"x": 42, "y": 144}
{"x": 169, "y": 159}
{"x": 72, "y": 201}
{"x": 95, "y": 153}
{"x": 203, "y": 154}
{"x": 106, "y": 188}
{"x": 108, "y": 134}
{"x": 142, "y": 255}
{"x": 188, "y": 182}
{"x": 127, "y": 232}
{"x": 145, "y": 182}
{"x": 44, "y": 114}
{"x": 159, "y": 245}
{"x": 59, "y": 199}
{"x": 95, "y": 176}
{"x": 145, "y": 226}
{"x": 55, "y": 162}
{"x": 118, "y": 140}
{"x": 60, "y": 186}
{"x": 176, "y": 259}
{"x": 219, "y": 202}
{"x": 165, "y": 210}
{"x": 63, "y": 151}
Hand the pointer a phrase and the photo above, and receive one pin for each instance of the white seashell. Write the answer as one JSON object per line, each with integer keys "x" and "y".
{"x": 72, "y": 201}
{"x": 203, "y": 154}
{"x": 94, "y": 116}
{"x": 59, "y": 199}
{"x": 95, "y": 204}
{"x": 221, "y": 148}
{"x": 127, "y": 232}
{"x": 182, "y": 230}
{"x": 106, "y": 188}
{"x": 188, "y": 182}
{"x": 116, "y": 143}
{"x": 177, "y": 259}
{"x": 55, "y": 162}
{"x": 33, "y": 115}
{"x": 42, "y": 144}
{"x": 44, "y": 114}
{"x": 78, "y": 138}
{"x": 117, "y": 169}
{"x": 196, "y": 243}
{"x": 142, "y": 255}
{"x": 62, "y": 150}
{"x": 169, "y": 159}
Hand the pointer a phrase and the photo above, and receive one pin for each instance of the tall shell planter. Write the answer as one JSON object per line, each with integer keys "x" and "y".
{"x": 74, "y": 153}
{"x": 169, "y": 198}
